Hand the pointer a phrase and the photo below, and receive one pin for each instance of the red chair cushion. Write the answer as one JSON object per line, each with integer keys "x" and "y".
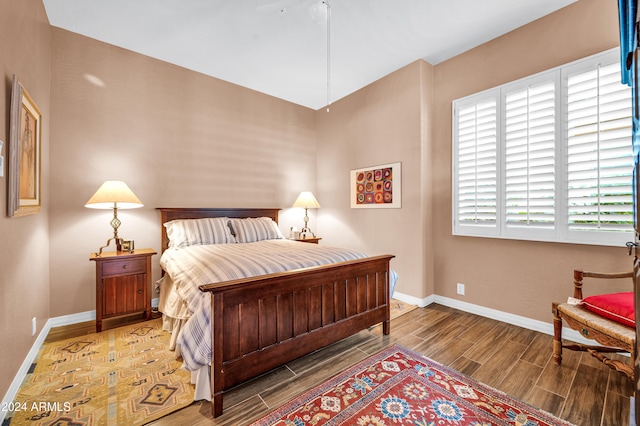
{"x": 617, "y": 307}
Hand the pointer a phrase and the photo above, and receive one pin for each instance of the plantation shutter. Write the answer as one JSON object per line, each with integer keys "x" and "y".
{"x": 599, "y": 152}
{"x": 477, "y": 163}
{"x": 529, "y": 163}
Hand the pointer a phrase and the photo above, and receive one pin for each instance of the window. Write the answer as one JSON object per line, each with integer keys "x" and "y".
{"x": 547, "y": 158}
{"x": 477, "y": 157}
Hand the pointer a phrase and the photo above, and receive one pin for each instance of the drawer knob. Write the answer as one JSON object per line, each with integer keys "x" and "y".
{"x": 124, "y": 266}
{"x": 139, "y": 291}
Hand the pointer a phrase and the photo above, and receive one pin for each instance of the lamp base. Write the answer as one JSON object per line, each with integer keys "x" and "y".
{"x": 306, "y": 232}
{"x": 118, "y": 241}
{"x": 115, "y": 224}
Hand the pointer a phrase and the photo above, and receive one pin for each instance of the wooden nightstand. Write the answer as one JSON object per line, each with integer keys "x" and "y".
{"x": 313, "y": 240}
{"x": 123, "y": 284}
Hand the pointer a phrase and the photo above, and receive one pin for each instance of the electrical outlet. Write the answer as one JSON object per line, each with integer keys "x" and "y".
{"x": 460, "y": 289}
{"x": 34, "y": 327}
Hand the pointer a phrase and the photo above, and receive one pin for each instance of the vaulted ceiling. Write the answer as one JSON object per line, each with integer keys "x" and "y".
{"x": 281, "y": 48}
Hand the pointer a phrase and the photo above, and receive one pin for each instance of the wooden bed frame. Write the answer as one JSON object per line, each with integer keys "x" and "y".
{"x": 263, "y": 322}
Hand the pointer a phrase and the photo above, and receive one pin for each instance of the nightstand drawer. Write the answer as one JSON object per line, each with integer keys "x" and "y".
{"x": 121, "y": 267}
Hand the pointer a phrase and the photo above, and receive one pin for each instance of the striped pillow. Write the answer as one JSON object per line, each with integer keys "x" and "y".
{"x": 188, "y": 232}
{"x": 252, "y": 229}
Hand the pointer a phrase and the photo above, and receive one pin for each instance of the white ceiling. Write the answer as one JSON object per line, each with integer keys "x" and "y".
{"x": 279, "y": 47}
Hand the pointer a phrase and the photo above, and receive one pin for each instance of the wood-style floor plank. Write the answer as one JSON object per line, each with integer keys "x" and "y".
{"x": 495, "y": 369}
{"x": 558, "y": 378}
{"x": 521, "y": 335}
{"x": 614, "y": 407}
{"x": 255, "y": 386}
{"x": 546, "y": 400}
{"x": 585, "y": 401}
{"x": 450, "y": 351}
{"x": 488, "y": 344}
{"x": 520, "y": 379}
{"x": 282, "y": 392}
{"x": 536, "y": 352}
{"x": 479, "y": 327}
{"x": 465, "y": 366}
{"x": 514, "y": 360}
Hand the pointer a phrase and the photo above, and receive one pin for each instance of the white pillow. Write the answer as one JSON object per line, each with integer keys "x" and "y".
{"x": 187, "y": 232}
{"x": 252, "y": 229}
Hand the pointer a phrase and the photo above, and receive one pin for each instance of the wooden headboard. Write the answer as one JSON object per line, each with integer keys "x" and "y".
{"x": 168, "y": 214}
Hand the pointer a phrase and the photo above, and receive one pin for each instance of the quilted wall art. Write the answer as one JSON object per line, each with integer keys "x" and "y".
{"x": 377, "y": 186}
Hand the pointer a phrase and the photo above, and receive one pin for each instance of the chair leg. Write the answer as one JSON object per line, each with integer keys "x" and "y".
{"x": 557, "y": 335}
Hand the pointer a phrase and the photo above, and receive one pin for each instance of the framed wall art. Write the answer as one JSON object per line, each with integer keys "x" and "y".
{"x": 377, "y": 187}
{"x": 24, "y": 168}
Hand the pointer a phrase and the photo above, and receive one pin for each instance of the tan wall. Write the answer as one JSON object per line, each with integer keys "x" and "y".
{"x": 382, "y": 123}
{"x": 176, "y": 137}
{"x": 518, "y": 277}
{"x": 24, "y": 242}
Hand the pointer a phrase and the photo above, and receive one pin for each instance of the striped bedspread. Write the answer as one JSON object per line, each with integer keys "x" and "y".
{"x": 189, "y": 267}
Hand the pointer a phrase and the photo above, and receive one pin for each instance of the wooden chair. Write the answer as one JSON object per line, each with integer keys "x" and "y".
{"x": 614, "y": 336}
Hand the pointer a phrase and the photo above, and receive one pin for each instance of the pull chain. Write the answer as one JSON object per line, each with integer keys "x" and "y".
{"x": 326, "y": 2}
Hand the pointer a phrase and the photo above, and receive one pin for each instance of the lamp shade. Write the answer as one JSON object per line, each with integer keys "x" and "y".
{"x": 114, "y": 193}
{"x": 306, "y": 200}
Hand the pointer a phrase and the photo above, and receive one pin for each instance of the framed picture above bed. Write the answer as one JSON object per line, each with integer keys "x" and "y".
{"x": 24, "y": 189}
{"x": 377, "y": 187}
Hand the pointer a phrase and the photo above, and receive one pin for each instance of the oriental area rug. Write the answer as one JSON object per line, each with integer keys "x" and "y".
{"x": 400, "y": 387}
{"x": 122, "y": 376}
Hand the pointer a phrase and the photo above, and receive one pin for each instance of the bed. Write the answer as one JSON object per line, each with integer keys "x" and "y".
{"x": 254, "y": 324}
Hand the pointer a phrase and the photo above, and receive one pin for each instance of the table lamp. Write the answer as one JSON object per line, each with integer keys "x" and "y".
{"x": 308, "y": 201}
{"x": 114, "y": 194}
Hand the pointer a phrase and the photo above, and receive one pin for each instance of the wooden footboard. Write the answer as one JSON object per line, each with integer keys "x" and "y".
{"x": 263, "y": 322}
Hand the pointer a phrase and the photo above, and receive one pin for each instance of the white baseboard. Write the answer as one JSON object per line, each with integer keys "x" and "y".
{"x": 520, "y": 321}
{"x": 10, "y": 395}
{"x": 82, "y": 317}
{"x": 413, "y": 300}
{"x": 72, "y": 319}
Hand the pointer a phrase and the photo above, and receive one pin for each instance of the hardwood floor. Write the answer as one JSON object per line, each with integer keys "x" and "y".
{"x": 514, "y": 360}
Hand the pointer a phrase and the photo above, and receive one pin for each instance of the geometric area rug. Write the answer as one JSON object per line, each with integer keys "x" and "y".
{"x": 121, "y": 376}
{"x": 400, "y": 387}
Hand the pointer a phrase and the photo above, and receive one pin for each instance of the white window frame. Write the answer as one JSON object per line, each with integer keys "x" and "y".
{"x": 481, "y": 229}
{"x": 560, "y": 232}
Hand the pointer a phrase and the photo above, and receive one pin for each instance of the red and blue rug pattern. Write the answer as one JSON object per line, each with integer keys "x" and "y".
{"x": 400, "y": 387}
